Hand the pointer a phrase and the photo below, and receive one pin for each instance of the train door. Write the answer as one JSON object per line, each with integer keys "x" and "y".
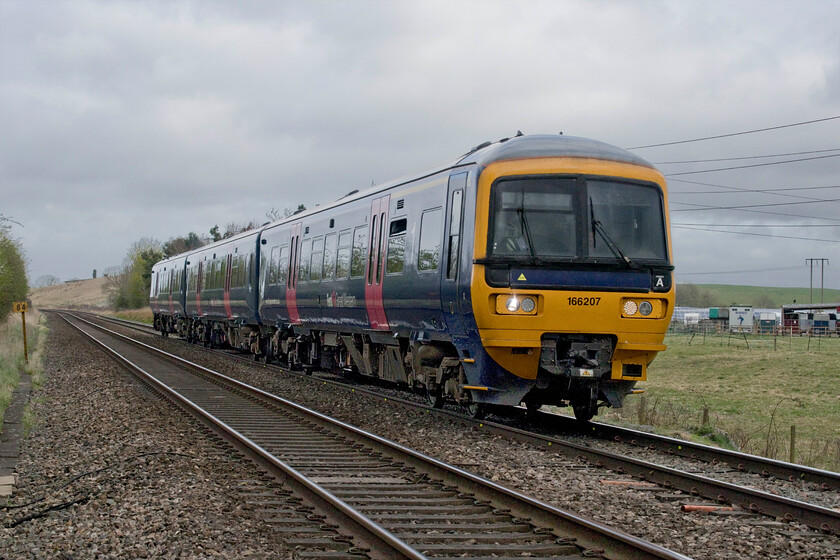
{"x": 450, "y": 289}
{"x": 171, "y": 282}
{"x": 199, "y": 285}
{"x": 375, "y": 270}
{"x": 292, "y": 274}
{"x": 226, "y": 270}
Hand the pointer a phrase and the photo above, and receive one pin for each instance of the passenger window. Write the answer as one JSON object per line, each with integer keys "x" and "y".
{"x": 238, "y": 272}
{"x": 396, "y": 247}
{"x": 329, "y": 256}
{"x": 428, "y": 255}
{"x": 357, "y": 266}
{"x": 272, "y": 266}
{"x": 283, "y": 265}
{"x": 342, "y": 264}
{"x": 305, "y": 252}
{"x": 317, "y": 262}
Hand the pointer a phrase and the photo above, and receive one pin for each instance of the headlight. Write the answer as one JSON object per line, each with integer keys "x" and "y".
{"x": 630, "y": 307}
{"x": 645, "y": 308}
{"x": 528, "y": 304}
{"x": 512, "y": 304}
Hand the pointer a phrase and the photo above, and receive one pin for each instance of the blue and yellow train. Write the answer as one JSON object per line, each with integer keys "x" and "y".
{"x": 533, "y": 270}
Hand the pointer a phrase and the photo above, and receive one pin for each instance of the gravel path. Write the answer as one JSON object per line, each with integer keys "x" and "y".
{"x": 112, "y": 472}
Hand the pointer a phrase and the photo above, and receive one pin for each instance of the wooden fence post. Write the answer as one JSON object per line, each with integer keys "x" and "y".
{"x": 642, "y": 410}
{"x": 792, "y": 443}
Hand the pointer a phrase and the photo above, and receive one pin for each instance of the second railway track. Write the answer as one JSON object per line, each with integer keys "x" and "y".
{"x": 704, "y": 485}
{"x": 394, "y": 501}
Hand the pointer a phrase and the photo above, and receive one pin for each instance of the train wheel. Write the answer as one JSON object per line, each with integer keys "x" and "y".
{"x": 477, "y": 410}
{"x": 584, "y": 412}
{"x": 585, "y": 404}
{"x": 434, "y": 396}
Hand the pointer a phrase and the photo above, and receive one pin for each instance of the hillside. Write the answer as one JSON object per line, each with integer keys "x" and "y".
{"x": 724, "y": 295}
{"x": 91, "y": 293}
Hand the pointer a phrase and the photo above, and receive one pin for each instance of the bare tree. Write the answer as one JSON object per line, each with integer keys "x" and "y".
{"x": 46, "y": 280}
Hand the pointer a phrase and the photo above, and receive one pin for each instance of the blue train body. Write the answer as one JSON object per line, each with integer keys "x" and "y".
{"x": 410, "y": 281}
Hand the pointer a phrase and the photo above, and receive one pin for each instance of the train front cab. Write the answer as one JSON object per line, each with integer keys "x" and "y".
{"x": 572, "y": 282}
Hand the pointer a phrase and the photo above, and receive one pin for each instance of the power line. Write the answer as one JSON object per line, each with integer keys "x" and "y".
{"x": 748, "y": 166}
{"x": 739, "y": 190}
{"x": 758, "y": 234}
{"x": 704, "y": 207}
{"x": 745, "y": 157}
{"x": 679, "y": 273}
{"x": 767, "y": 212}
{"x": 734, "y": 190}
{"x": 761, "y": 225}
{"x": 733, "y": 134}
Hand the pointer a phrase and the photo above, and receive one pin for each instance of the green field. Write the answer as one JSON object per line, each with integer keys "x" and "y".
{"x": 753, "y": 389}
{"x": 725, "y": 295}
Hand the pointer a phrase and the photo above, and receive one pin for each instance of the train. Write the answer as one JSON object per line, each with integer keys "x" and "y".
{"x": 534, "y": 270}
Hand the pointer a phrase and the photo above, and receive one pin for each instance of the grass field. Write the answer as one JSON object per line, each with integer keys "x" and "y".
{"x": 753, "y": 390}
{"x": 726, "y": 295}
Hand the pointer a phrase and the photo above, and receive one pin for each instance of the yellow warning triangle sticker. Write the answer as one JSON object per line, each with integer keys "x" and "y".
{"x": 522, "y": 278}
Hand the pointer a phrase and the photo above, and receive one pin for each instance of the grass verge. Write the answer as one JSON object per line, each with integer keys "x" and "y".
{"x": 12, "y": 361}
{"x": 142, "y": 315}
{"x": 746, "y": 393}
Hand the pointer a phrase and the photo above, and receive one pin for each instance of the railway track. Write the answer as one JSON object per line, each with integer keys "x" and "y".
{"x": 386, "y": 500}
{"x": 716, "y": 492}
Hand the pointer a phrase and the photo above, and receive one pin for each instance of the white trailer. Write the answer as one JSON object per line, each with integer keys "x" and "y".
{"x": 741, "y": 319}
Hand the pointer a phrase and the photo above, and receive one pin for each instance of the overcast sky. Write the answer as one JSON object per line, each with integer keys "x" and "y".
{"x": 125, "y": 120}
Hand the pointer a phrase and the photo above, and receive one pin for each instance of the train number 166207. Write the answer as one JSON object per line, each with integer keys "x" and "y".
{"x": 584, "y": 300}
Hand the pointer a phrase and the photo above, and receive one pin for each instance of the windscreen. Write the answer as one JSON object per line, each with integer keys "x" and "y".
{"x": 576, "y": 218}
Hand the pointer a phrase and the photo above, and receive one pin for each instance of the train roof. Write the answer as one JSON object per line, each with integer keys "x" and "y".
{"x": 516, "y": 147}
{"x": 548, "y": 145}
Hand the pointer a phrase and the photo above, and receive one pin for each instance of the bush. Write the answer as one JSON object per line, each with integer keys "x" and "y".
{"x": 130, "y": 288}
{"x": 13, "y": 283}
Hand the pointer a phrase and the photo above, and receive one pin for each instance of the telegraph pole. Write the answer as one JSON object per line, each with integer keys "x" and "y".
{"x": 822, "y": 262}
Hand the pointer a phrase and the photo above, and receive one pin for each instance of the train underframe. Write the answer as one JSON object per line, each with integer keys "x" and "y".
{"x": 574, "y": 370}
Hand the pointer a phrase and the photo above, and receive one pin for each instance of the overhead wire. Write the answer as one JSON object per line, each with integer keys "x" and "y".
{"x": 760, "y": 225}
{"x": 745, "y": 157}
{"x": 733, "y": 190}
{"x": 777, "y": 269}
{"x": 753, "y": 211}
{"x": 734, "y": 133}
{"x": 704, "y": 207}
{"x": 758, "y": 234}
{"x": 750, "y": 166}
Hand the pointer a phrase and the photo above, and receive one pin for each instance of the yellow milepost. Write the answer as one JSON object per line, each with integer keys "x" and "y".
{"x": 22, "y": 307}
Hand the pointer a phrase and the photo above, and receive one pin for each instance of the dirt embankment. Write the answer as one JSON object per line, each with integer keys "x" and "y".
{"x": 79, "y": 294}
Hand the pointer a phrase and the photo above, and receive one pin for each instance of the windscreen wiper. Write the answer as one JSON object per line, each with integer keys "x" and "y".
{"x": 598, "y": 227}
{"x": 524, "y": 222}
